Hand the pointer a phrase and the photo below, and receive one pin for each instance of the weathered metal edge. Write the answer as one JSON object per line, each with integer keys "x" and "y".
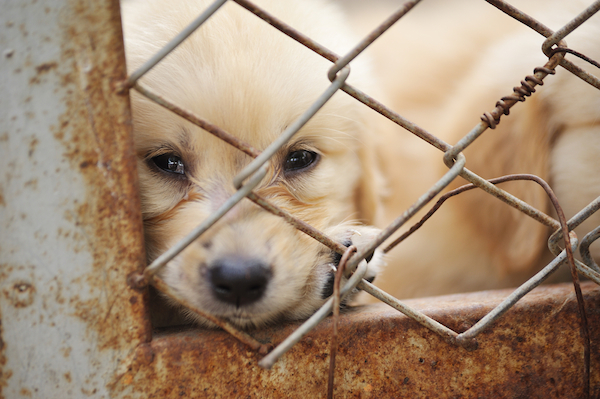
{"x": 535, "y": 350}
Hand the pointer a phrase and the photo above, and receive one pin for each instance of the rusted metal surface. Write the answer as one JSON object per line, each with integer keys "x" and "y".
{"x": 535, "y": 351}
{"x": 70, "y": 226}
{"x": 336, "y": 317}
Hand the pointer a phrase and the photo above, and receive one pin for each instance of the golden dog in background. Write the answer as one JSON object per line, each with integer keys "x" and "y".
{"x": 242, "y": 75}
{"x": 347, "y": 169}
{"x": 454, "y": 61}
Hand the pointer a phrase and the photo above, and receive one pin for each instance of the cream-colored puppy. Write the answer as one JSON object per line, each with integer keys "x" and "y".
{"x": 241, "y": 74}
{"x": 348, "y": 167}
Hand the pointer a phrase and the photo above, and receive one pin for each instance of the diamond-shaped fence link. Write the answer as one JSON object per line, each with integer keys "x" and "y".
{"x": 562, "y": 243}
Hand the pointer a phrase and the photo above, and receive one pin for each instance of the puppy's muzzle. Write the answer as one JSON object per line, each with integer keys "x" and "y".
{"x": 239, "y": 281}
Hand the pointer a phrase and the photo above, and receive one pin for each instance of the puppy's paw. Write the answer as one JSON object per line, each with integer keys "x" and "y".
{"x": 360, "y": 237}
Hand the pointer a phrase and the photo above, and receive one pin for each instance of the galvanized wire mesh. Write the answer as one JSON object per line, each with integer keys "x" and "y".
{"x": 554, "y": 48}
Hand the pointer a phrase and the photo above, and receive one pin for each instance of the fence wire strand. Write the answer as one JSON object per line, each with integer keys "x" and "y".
{"x": 252, "y": 175}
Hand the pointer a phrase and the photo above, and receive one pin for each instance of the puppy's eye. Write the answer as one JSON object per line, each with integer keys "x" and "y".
{"x": 299, "y": 159}
{"x": 169, "y": 163}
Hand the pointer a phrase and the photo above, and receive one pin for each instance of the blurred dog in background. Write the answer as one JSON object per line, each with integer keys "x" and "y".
{"x": 443, "y": 65}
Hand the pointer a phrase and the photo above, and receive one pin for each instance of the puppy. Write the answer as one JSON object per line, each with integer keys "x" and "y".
{"x": 241, "y": 74}
{"x": 348, "y": 167}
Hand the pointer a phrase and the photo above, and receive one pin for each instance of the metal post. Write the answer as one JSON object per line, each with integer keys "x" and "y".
{"x": 70, "y": 226}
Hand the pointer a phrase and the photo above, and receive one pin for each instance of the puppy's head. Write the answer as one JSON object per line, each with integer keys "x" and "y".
{"x": 242, "y": 75}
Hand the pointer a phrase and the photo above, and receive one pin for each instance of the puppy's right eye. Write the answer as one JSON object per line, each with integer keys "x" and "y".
{"x": 170, "y": 163}
{"x": 300, "y": 159}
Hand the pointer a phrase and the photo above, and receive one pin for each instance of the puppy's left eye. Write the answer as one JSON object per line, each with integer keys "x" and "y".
{"x": 169, "y": 163}
{"x": 299, "y": 159}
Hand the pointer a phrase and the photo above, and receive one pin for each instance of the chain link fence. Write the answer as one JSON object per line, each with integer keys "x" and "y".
{"x": 553, "y": 47}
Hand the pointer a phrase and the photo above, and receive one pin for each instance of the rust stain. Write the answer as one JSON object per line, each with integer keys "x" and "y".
{"x": 45, "y": 67}
{"x": 66, "y": 352}
{"x": 20, "y": 294}
{"x": 40, "y": 70}
{"x": 5, "y": 373}
{"x": 32, "y": 184}
{"x": 32, "y": 146}
{"x": 95, "y": 134}
{"x": 535, "y": 350}
{"x": 141, "y": 358}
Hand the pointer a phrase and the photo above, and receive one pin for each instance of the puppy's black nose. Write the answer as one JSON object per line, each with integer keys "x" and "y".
{"x": 239, "y": 281}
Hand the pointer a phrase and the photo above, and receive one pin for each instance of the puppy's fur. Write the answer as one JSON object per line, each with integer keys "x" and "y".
{"x": 241, "y": 74}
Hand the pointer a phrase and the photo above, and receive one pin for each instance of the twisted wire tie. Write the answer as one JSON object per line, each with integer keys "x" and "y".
{"x": 520, "y": 93}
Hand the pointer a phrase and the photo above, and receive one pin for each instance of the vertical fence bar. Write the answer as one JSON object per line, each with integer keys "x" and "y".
{"x": 70, "y": 226}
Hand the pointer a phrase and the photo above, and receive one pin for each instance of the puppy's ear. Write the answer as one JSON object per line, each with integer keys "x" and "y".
{"x": 370, "y": 184}
{"x": 520, "y": 144}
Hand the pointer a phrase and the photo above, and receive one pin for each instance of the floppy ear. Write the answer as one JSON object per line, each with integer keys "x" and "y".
{"x": 370, "y": 184}
{"x": 520, "y": 144}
